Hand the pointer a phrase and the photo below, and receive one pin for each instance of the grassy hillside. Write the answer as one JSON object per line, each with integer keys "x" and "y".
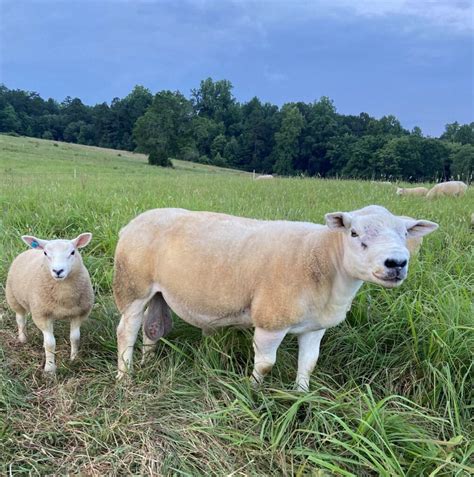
{"x": 391, "y": 394}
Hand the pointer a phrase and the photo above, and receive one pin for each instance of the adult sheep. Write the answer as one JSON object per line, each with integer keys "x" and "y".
{"x": 279, "y": 277}
{"x": 51, "y": 282}
{"x": 419, "y": 191}
{"x": 451, "y": 188}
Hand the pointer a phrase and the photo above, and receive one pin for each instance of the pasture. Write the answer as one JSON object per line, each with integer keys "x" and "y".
{"x": 391, "y": 394}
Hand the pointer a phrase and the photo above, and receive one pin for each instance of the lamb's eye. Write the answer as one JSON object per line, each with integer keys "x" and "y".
{"x": 45, "y": 253}
{"x": 354, "y": 233}
{"x": 73, "y": 252}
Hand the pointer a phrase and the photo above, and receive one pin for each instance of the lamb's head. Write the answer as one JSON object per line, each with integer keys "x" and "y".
{"x": 375, "y": 243}
{"x": 60, "y": 256}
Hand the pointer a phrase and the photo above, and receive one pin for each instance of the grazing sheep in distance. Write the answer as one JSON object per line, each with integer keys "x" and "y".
{"x": 420, "y": 191}
{"x": 51, "y": 282}
{"x": 279, "y": 277}
{"x": 264, "y": 177}
{"x": 452, "y": 188}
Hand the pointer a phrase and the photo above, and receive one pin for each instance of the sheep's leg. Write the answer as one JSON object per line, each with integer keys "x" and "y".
{"x": 127, "y": 333}
{"x": 21, "y": 322}
{"x": 265, "y": 345}
{"x": 75, "y": 335}
{"x": 308, "y": 354}
{"x": 49, "y": 343}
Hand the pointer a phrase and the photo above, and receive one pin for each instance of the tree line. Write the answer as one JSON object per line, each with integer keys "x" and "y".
{"x": 212, "y": 127}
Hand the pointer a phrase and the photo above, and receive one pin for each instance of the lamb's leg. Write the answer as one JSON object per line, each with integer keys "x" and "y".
{"x": 75, "y": 335}
{"x": 265, "y": 345}
{"x": 21, "y": 322}
{"x": 49, "y": 343}
{"x": 308, "y": 354}
{"x": 127, "y": 332}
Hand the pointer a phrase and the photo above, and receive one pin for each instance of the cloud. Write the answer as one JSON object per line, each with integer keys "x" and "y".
{"x": 456, "y": 16}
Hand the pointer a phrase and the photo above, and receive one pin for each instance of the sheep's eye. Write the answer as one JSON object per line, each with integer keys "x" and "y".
{"x": 354, "y": 233}
{"x": 73, "y": 252}
{"x": 45, "y": 253}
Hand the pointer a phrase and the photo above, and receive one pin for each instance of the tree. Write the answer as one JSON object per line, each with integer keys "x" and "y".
{"x": 463, "y": 163}
{"x": 287, "y": 140}
{"x": 163, "y": 131}
{"x": 9, "y": 120}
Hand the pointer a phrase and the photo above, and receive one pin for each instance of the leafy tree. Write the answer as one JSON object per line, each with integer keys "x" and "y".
{"x": 9, "y": 120}
{"x": 163, "y": 131}
{"x": 463, "y": 163}
{"x": 287, "y": 140}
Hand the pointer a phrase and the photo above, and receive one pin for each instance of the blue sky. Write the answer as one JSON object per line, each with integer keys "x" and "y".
{"x": 410, "y": 58}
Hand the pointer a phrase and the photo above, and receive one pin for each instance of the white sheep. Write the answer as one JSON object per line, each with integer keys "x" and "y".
{"x": 264, "y": 177}
{"x": 51, "y": 282}
{"x": 451, "y": 188}
{"x": 419, "y": 191}
{"x": 279, "y": 277}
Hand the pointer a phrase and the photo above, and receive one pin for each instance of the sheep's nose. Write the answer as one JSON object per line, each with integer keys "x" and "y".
{"x": 58, "y": 272}
{"x": 394, "y": 263}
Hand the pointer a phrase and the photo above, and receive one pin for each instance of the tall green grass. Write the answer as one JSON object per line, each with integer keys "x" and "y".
{"x": 391, "y": 394}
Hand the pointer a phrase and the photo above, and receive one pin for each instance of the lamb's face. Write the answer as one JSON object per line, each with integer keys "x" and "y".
{"x": 375, "y": 243}
{"x": 59, "y": 255}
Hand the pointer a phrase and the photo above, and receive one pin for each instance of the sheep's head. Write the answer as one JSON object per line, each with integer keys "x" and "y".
{"x": 59, "y": 255}
{"x": 375, "y": 243}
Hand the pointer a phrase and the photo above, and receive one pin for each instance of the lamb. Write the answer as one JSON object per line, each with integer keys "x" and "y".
{"x": 279, "y": 277}
{"x": 452, "y": 188}
{"x": 419, "y": 191}
{"x": 51, "y": 282}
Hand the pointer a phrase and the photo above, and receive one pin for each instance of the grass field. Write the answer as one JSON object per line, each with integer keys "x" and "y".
{"x": 391, "y": 394}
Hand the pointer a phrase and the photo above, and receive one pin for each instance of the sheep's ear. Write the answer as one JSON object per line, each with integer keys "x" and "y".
{"x": 419, "y": 228}
{"x": 82, "y": 240}
{"x": 34, "y": 242}
{"x": 338, "y": 220}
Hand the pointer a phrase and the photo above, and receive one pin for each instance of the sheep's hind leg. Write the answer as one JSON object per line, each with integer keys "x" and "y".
{"x": 127, "y": 333}
{"x": 21, "y": 322}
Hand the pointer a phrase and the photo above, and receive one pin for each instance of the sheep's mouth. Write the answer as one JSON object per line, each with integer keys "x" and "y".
{"x": 389, "y": 281}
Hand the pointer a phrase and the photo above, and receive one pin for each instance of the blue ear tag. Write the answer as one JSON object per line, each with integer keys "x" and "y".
{"x": 34, "y": 244}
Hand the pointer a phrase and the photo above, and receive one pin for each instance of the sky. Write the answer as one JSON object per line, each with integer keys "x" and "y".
{"x": 410, "y": 58}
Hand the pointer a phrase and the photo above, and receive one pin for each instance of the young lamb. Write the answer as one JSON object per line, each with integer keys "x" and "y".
{"x": 452, "y": 188}
{"x": 51, "y": 282}
{"x": 420, "y": 191}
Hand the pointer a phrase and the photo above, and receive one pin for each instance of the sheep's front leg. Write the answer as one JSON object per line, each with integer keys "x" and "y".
{"x": 265, "y": 345}
{"x": 21, "y": 322}
{"x": 49, "y": 343}
{"x": 308, "y": 354}
{"x": 75, "y": 335}
{"x": 127, "y": 333}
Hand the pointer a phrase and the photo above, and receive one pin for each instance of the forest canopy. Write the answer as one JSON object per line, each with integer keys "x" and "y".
{"x": 211, "y": 126}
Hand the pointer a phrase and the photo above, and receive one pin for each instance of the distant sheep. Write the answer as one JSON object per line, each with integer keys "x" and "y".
{"x": 381, "y": 182}
{"x": 51, "y": 282}
{"x": 264, "y": 177}
{"x": 451, "y": 188}
{"x": 419, "y": 191}
{"x": 279, "y": 277}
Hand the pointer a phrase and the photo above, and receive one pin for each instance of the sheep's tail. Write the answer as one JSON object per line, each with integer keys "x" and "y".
{"x": 158, "y": 322}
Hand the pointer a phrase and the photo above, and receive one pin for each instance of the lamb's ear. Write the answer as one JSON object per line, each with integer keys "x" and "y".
{"x": 419, "y": 228}
{"x": 82, "y": 240}
{"x": 338, "y": 220}
{"x": 34, "y": 242}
